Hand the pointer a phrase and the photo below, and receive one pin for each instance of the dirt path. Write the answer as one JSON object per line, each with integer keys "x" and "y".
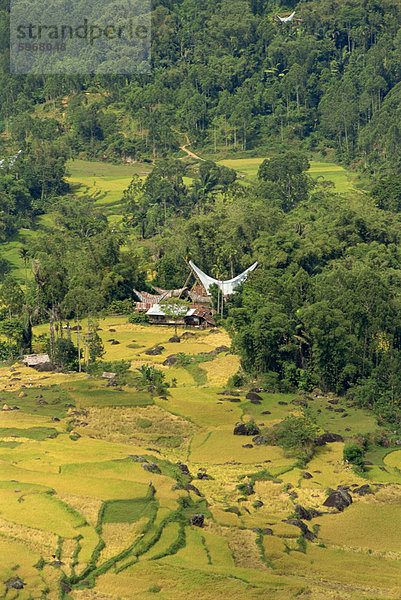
{"x": 184, "y": 148}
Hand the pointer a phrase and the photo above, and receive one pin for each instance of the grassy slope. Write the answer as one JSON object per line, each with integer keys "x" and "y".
{"x": 247, "y": 169}
{"x": 89, "y": 503}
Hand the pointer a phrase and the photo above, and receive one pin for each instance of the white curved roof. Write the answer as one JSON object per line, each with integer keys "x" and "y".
{"x": 228, "y": 286}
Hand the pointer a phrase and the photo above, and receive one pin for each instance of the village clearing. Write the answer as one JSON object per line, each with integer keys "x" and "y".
{"x": 82, "y": 517}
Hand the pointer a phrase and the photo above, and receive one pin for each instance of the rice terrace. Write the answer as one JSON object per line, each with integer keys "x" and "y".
{"x": 109, "y": 479}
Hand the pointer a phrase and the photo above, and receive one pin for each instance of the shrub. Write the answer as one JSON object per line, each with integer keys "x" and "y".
{"x": 140, "y": 318}
{"x": 119, "y": 367}
{"x": 236, "y": 380}
{"x": 65, "y": 354}
{"x": 297, "y": 434}
{"x": 151, "y": 376}
{"x": 354, "y": 454}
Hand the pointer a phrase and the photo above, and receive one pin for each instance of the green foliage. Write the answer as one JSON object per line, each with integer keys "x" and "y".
{"x": 95, "y": 346}
{"x": 175, "y": 309}
{"x": 386, "y": 193}
{"x": 296, "y": 435}
{"x": 13, "y": 330}
{"x": 236, "y": 381}
{"x": 65, "y": 354}
{"x": 285, "y": 181}
{"x": 301, "y": 543}
{"x": 139, "y": 318}
{"x": 11, "y": 296}
{"x": 354, "y": 454}
{"x": 150, "y": 376}
{"x": 119, "y": 367}
{"x": 121, "y": 307}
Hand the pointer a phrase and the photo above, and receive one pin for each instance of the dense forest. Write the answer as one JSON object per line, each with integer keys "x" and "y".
{"x": 228, "y": 74}
{"x": 324, "y": 306}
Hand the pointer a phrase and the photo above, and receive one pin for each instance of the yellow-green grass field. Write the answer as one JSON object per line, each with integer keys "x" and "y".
{"x": 247, "y": 169}
{"x": 92, "y": 496}
{"x": 104, "y": 183}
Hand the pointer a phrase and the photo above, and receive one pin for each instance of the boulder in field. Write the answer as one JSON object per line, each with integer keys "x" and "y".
{"x": 151, "y": 467}
{"x": 328, "y": 438}
{"x": 259, "y": 440}
{"x": 364, "y": 490}
{"x": 253, "y": 396}
{"x": 183, "y": 468}
{"x": 317, "y": 391}
{"x": 338, "y": 499}
{"x": 191, "y": 488}
{"x": 246, "y": 429}
{"x": 174, "y": 340}
{"x": 65, "y": 587}
{"x": 302, "y": 512}
{"x": 15, "y": 583}
{"x": 170, "y": 360}
{"x": 220, "y": 349}
{"x": 155, "y": 351}
{"x": 306, "y": 513}
{"x": 307, "y": 475}
{"x": 309, "y": 535}
{"x": 197, "y": 520}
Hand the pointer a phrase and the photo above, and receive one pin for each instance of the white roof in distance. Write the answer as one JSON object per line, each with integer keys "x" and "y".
{"x": 228, "y": 286}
